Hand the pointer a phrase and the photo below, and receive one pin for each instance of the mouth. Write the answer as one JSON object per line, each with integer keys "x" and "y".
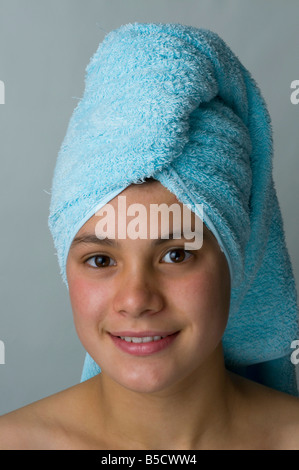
{"x": 141, "y": 339}
{"x": 143, "y": 343}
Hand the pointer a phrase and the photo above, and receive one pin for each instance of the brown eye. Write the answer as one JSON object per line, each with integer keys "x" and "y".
{"x": 177, "y": 255}
{"x": 99, "y": 261}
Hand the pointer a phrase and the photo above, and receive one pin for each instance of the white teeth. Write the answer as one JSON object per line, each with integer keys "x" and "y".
{"x": 145, "y": 339}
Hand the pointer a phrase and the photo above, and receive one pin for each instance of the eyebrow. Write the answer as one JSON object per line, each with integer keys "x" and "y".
{"x": 93, "y": 239}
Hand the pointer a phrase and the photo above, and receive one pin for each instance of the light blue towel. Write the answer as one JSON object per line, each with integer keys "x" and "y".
{"x": 173, "y": 102}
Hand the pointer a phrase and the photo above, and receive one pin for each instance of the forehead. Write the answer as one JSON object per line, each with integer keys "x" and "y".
{"x": 136, "y": 201}
{"x": 143, "y": 202}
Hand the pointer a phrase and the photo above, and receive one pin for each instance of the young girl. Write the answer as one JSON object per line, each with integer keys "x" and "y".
{"x": 188, "y": 342}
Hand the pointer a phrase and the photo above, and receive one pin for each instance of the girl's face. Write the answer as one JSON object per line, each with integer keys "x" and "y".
{"x": 128, "y": 293}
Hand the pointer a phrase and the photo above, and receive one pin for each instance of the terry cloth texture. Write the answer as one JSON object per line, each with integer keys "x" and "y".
{"x": 173, "y": 102}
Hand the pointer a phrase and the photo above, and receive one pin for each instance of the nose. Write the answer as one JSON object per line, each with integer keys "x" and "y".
{"x": 138, "y": 294}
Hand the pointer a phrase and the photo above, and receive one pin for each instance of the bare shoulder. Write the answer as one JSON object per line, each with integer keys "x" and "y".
{"x": 273, "y": 414}
{"x": 21, "y": 429}
{"x": 37, "y": 426}
{"x": 56, "y": 422}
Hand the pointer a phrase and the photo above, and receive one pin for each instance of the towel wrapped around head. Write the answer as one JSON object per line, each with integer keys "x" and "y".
{"x": 174, "y": 103}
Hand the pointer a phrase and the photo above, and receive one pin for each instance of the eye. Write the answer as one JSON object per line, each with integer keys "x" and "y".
{"x": 99, "y": 261}
{"x": 177, "y": 255}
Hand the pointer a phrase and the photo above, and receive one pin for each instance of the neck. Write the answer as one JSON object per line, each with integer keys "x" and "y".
{"x": 187, "y": 415}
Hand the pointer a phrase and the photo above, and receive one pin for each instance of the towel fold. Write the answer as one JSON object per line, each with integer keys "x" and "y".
{"x": 173, "y": 102}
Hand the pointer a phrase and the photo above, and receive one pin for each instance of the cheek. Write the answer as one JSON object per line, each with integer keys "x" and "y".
{"x": 207, "y": 297}
{"x": 89, "y": 306}
{"x": 88, "y": 301}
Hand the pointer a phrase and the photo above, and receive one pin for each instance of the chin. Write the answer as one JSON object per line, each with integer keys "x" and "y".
{"x": 144, "y": 381}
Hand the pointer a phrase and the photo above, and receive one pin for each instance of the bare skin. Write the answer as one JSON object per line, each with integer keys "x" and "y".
{"x": 260, "y": 418}
{"x": 181, "y": 397}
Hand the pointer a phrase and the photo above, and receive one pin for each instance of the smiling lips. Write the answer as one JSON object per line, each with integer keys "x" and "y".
{"x": 142, "y": 344}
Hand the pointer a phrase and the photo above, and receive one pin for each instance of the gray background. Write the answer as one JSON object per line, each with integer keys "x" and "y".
{"x": 44, "y": 49}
